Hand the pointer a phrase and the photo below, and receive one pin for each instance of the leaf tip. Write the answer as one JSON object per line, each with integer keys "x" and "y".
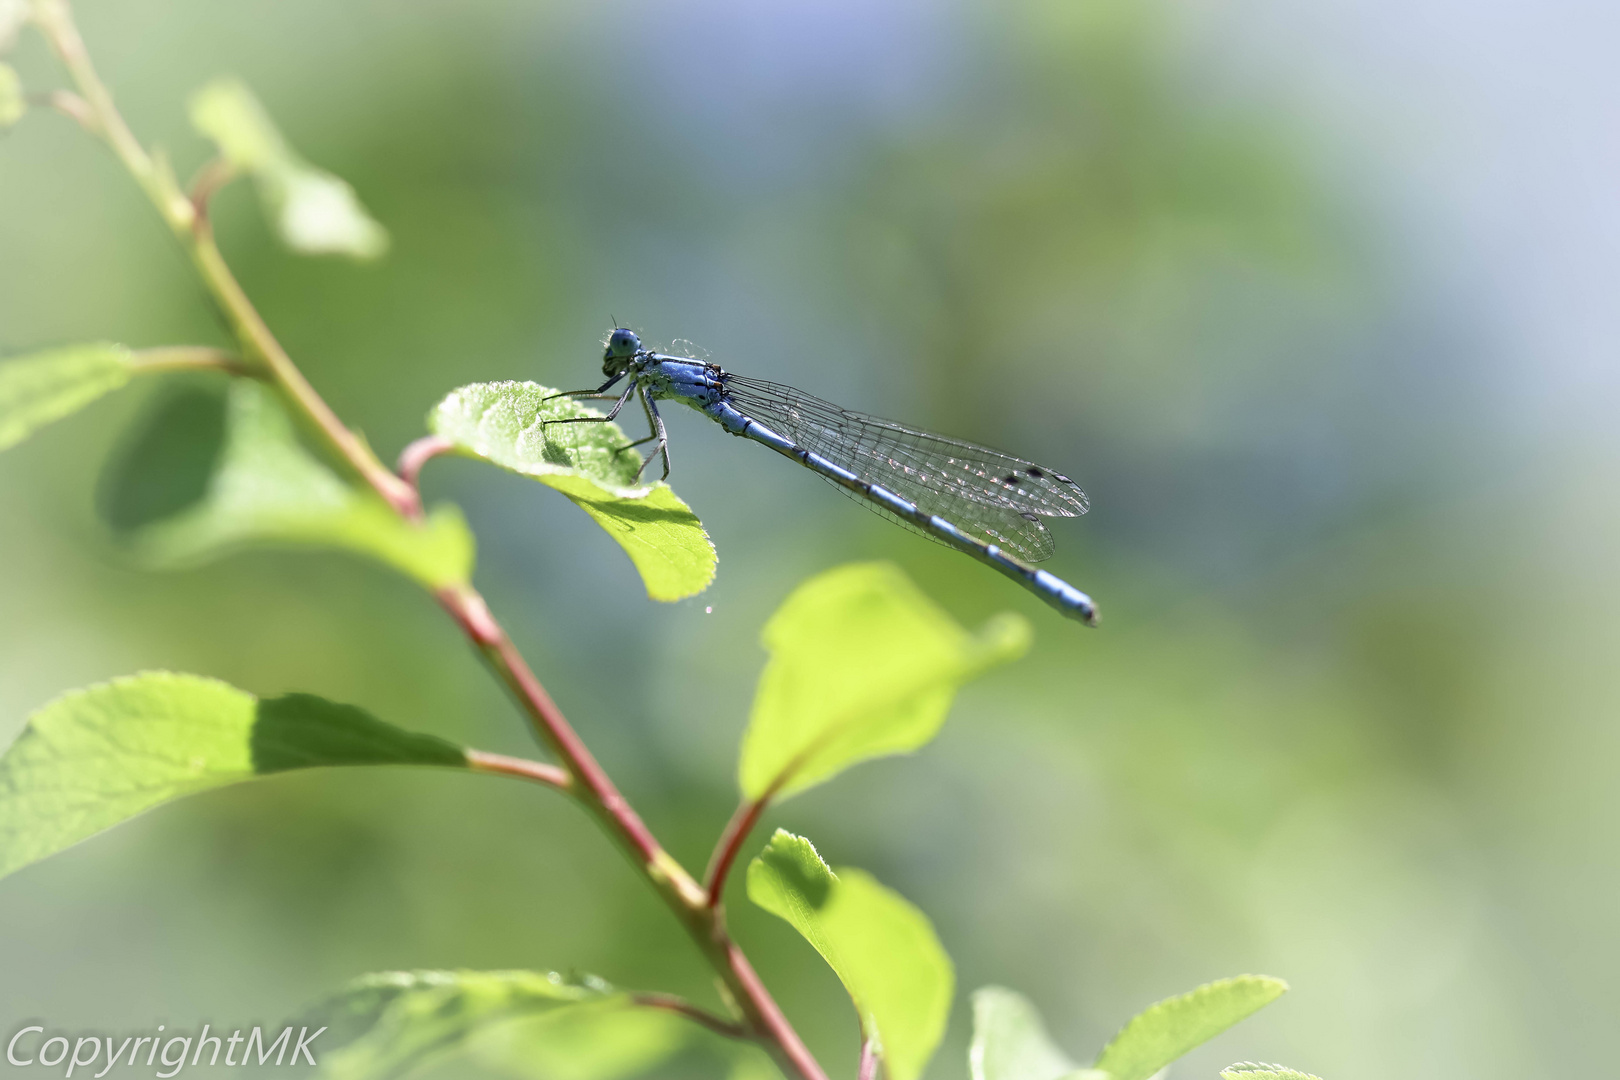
{"x": 794, "y": 863}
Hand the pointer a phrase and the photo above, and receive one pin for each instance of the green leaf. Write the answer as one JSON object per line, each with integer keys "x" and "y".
{"x": 507, "y": 424}
{"x": 597, "y": 1041}
{"x": 389, "y": 1024}
{"x": 1167, "y": 1030}
{"x": 40, "y": 388}
{"x": 12, "y": 102}
{"x": 517, "y": 1023}
{"x": 862, "y": 665}
{"x": 1011, "y": 1043}
{"x": 268, "y": 489}
{"x": 166, "y": 460}
{"x": 95, "y": 757}
{"x": 314, "y": 212}
{"x": 1253, "y": 1070}
{"x": 881, "y": 947}
{"x": 302, "y": 731}
{"x": 608, "y": 1040}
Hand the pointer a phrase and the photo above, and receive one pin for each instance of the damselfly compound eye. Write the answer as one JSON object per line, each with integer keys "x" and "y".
{"x": 623, "y": 343}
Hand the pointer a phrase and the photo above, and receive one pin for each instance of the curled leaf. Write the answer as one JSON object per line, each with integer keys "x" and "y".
{"x": 267, "y": 489}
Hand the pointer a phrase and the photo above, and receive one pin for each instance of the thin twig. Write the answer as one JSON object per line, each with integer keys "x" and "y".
{"x": 747, "y": 815}
{"x": 418, "y": 454}
{"x": 730, "y": 843}
{"x": 784, "y": 1043}
{"x": 251, "y": 328}
{"x": 594, "y": 787}
{"x": 188, "y": 358}
{"x": 67, "y": 103}
{"x": 209, "y": 179}
{"x": 869, "y": 1060}
{"x": 684, "y": 896}
{"x": 55, "y": 21}
{"x": 522, "y": 768}
{"x": 716, "y": 1024}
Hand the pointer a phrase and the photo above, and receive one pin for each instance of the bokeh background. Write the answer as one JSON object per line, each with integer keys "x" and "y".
{"x": 1316, "y": 301}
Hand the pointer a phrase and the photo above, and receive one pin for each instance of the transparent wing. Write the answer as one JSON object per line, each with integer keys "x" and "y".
{"x": 993, "y": 495}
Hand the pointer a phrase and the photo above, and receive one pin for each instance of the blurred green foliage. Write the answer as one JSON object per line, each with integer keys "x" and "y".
{"x": 1011, "y": 1043}
{"x": 1351, "y": 719}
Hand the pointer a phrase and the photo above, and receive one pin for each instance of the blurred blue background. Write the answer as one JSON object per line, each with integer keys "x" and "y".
{"x": 1316, "y": 302}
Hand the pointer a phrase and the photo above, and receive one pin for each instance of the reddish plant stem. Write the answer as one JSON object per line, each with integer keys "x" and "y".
{"x": 418, "y": 454}
{"x": 735, "y": 834}
{"x": 594, "y": 788}
{"x": 869, "y": 1061}
{"x": 671, "y": 1003}
{"x": 684, "y": 896}
{"x": 766, "y": 1016}
{"x": 729, "y": 845}
{"x": 522, "y": 768}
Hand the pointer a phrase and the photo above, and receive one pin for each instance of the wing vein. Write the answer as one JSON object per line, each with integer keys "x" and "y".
{"x": 985, "y": 492}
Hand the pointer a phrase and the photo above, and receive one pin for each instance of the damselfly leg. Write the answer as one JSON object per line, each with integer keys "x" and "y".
{"x": 657, "y": 424}
{"x": 654, "y": 421}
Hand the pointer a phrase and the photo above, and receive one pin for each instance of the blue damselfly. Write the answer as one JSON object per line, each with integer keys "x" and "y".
{"x": 982, "y": 502}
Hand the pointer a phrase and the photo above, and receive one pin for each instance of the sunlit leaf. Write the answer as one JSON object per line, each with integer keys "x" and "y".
{"x": 508, "y": 424}
{"x": 517, "y": 1023}
{"x": 862, "y": 665}
{"x": 95, "y": 757}
{"x": 267, "y": 489}
{"x": 391, "y": 1024}
{"x": 46, "y": 386}
{"x": 882, "y": 948}
{"x": 1011, "y": 1043}
{"x": 1165, "y": 1031}
{"x": 1253, "y": 1070}
{"x": 314, "y": 212}
{"x": 610, "y": 1039}
{"x": 601, "y": 1040}
{"x": 12, "y": 102}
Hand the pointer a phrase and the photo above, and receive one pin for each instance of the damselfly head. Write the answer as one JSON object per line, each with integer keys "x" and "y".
{"x": 622, "y": 345}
